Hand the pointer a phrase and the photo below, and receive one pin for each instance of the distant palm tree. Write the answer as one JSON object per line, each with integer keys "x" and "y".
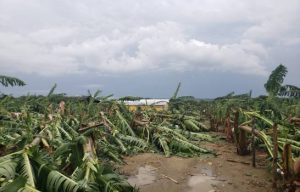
{"x": 274, "y": 84}
{"x": 275, "y": 80}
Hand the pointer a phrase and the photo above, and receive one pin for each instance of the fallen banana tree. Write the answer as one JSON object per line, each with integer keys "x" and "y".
{"x": 73, "y": 146}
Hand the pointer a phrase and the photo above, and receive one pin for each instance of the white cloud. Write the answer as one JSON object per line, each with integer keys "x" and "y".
{"x": 159, "y": 47}
{"x": 59, "y": 37}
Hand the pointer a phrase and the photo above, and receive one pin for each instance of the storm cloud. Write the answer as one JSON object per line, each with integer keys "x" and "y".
{"x": 65, "y": 39}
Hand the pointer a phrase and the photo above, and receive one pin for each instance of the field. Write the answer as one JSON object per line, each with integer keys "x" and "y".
{"x": 152, "y": 171}
{"x": 95, "y": 143}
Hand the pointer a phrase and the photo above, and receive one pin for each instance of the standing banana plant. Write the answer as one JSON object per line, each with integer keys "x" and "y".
{"x": 275, "y": 80}
{"x": 11, "y": 81}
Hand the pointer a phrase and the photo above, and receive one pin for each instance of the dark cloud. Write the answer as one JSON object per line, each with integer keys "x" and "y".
{"x": 65, "y": 40}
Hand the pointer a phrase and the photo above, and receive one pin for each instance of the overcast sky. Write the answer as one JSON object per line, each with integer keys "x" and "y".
{"x": 144, "y": 48}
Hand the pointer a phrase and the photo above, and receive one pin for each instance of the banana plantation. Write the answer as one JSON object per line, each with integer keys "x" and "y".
{"x": 59, "y": 143}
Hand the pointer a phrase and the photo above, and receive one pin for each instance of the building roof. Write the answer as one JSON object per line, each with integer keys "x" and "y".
{"x": 148, "y": 102}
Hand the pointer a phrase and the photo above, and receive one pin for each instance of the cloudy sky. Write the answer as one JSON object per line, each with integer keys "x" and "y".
{"x": 134, "y": 47}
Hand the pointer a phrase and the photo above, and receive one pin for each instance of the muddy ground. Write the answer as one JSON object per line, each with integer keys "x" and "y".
{"x": 227, "y": 172}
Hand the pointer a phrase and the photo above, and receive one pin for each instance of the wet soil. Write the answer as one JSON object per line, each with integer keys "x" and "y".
{"x": 228, "y": 172}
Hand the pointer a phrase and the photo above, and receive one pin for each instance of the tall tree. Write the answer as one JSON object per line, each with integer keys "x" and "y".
{"x": 275, "y": 80}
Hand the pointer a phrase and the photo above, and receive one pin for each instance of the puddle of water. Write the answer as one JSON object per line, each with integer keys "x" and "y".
{"x": 146, "y": 175}
{"x": 204, "y": 181}
{"x": 200, "y": 183}
{"x": 207, "y": 170}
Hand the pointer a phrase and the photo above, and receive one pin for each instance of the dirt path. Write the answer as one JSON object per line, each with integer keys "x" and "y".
{"x": 227, "y": 172}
